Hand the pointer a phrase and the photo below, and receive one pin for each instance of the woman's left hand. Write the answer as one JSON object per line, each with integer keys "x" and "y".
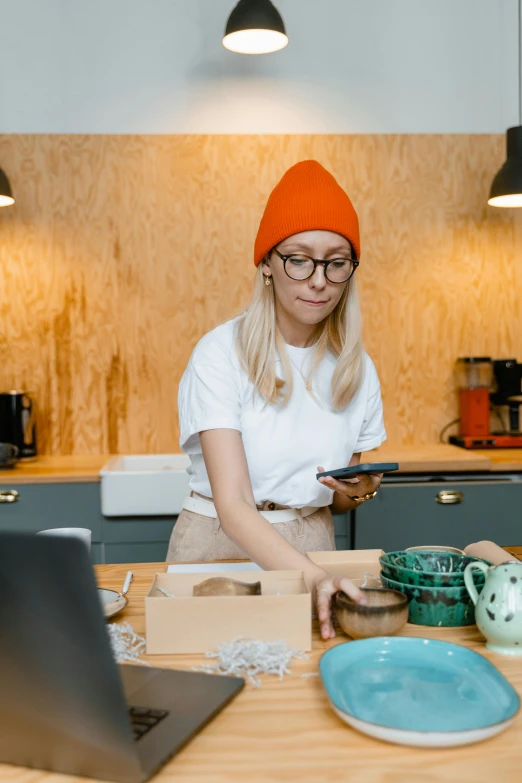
{"x": 350, "y": 488}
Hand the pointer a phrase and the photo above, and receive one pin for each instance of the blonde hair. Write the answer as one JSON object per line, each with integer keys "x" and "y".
{"x": 259, "y": 344}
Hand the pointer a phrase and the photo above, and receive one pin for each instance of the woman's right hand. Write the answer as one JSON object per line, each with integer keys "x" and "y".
{"x": 323, "y": 591}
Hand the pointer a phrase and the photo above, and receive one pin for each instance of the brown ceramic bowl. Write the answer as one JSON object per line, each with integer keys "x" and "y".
{"x": 384, "y": 613}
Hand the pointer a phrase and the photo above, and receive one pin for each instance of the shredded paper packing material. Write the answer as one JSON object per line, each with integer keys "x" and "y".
{"x": 249, "y": 658}
{"x": 240, "y": 658}
{"x": 126, "y": 644}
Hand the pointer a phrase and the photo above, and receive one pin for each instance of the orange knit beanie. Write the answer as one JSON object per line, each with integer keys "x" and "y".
{"x": 307, "y": 197}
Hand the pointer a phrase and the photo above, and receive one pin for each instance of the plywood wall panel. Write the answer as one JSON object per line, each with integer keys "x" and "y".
{"x": 122, "y": 251}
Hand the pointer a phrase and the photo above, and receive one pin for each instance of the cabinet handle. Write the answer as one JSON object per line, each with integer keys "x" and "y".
{"x": 449, "y": 497}
{"x": 9, "y": 496}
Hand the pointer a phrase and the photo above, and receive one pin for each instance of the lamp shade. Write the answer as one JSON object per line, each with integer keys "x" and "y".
{"x": 255, "y": 27}
{"x": 506, "y": 190}
{"x": 6, "y": 195}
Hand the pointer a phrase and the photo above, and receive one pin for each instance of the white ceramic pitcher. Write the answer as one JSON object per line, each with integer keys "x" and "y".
{"x": 498, "y": 609}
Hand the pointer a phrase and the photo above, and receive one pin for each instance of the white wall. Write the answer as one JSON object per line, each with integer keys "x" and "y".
{"x": 158, "y": 66}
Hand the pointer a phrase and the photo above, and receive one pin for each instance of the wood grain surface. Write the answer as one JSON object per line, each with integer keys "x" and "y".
{"x": 436, "y": 457}
{"x": 55, "y": 470}
{"x": 122, "y": 251}
{"x": 285, "y": 731}
{"x": 503, "y": 460}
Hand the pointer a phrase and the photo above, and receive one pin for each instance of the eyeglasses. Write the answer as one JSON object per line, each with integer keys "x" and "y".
{"x": 300, "y": 267}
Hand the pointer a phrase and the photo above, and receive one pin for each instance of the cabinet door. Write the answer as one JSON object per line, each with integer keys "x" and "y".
{"x": 120, "y": 530}
{"x": 44, "y": 506}
{"x": 136, "y": 539}
{"x": 143, "y": 552}
{"x": 97, "y": 554}
{"x": 342, "y": 531}
{"x": 404, "y": 515}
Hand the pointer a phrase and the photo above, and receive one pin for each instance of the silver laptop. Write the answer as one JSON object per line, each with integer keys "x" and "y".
{"x": 65, "y": 705}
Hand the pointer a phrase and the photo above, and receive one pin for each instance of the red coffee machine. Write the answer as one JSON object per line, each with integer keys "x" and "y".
{"x": 488, "y": 386}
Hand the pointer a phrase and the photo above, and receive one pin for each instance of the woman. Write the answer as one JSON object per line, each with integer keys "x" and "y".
{"x": 280, "y": 393}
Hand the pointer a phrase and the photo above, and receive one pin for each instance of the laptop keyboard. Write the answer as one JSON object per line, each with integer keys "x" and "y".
{"x": 144, "y": 719}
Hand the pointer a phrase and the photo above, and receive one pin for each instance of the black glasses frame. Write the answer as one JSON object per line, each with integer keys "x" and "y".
{"x": 316, "y": 261}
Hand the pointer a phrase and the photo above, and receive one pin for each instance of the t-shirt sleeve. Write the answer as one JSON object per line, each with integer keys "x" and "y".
{"x": 372, "y": 432}
{"x": 209, "y": 397}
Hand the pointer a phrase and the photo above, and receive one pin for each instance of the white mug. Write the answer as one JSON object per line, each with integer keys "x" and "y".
{"x": 83, "y": 533}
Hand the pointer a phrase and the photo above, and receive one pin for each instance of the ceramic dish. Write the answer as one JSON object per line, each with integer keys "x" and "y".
{"x": 384, "y": 613}
{"x": 112, "y": 601}
{"x": 429, "y": 568}
{"x": 435, "y": 549}
{"x": 418, "y": 692}
{"x": 441, "y": 606}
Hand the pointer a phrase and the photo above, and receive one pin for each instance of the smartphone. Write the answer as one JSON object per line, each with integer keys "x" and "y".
{"x": 370, "y": 469}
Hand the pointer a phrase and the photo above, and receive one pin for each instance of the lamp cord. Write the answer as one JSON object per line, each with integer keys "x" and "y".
{"x": 520, "y": 62}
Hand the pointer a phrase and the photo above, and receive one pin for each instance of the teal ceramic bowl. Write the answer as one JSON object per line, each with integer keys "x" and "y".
{"x": 428, "y": 569}
{"x": 445, "y": 607}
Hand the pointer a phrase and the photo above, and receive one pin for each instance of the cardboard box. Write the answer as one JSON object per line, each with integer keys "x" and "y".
{"x": 353, "y": 563}
{"x": 188, "y": 624}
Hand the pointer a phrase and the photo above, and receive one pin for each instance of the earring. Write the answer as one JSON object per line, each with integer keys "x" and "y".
{"x": 267, "y": 280}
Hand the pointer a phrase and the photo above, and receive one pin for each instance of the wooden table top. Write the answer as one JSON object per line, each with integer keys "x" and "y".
{"x": 286, "y": 731}
{"x": 432, "y": 458}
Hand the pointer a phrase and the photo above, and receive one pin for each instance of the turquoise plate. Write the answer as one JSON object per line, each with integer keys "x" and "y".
{"x": 418, "y": 692}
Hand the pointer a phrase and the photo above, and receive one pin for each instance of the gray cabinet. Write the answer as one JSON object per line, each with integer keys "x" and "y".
{"x": 404, "y": 513}
{"x": 44, "y": 506}
{"x": 136, "y": 539}
{"x": 142, "y": 552}
{"x": 408, "y": 514}
{"x": 115, "y": 540}
{"x": 342, "y": 531}
{"x": 97, "y": 554}
{"x": 137, "y": 530}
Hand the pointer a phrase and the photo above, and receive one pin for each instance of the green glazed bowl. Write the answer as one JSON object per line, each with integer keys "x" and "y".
{"x": 429, "y": 569}
{"x": 445, "y": 607}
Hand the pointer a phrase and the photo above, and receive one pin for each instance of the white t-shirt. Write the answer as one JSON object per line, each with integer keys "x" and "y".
{"x": 283, "y": 445}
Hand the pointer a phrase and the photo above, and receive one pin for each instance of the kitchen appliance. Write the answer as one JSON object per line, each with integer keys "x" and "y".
{"x": 17, "y": 422}
{"x": 8, "y": 455}
{"x": 485, "y": 384}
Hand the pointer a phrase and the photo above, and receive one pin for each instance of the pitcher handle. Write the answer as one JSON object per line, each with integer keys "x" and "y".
{"x": 468, "y": 578}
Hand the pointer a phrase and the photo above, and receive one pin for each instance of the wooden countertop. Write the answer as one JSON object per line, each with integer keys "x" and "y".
{"x": 286, "y": 731}
{"x": 503, "y": 460}
{"x": 55, "y": 470}
{"x": 436, "y": 458}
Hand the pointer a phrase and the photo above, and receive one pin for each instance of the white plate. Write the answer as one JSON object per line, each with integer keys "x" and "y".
{"x": 112, "y": 601}
{"x": 421, "y": 739}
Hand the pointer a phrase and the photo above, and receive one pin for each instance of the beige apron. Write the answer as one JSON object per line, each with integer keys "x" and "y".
{"x": 198, "y": 538}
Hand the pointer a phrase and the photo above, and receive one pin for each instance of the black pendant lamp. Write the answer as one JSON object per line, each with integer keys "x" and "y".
{"x": 6, "y": 194}
{"x": 255, "y": 27}
{"x": 506, "y": 190}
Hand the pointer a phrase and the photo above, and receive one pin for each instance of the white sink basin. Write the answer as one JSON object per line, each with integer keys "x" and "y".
{"x": 144, "y": 485}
